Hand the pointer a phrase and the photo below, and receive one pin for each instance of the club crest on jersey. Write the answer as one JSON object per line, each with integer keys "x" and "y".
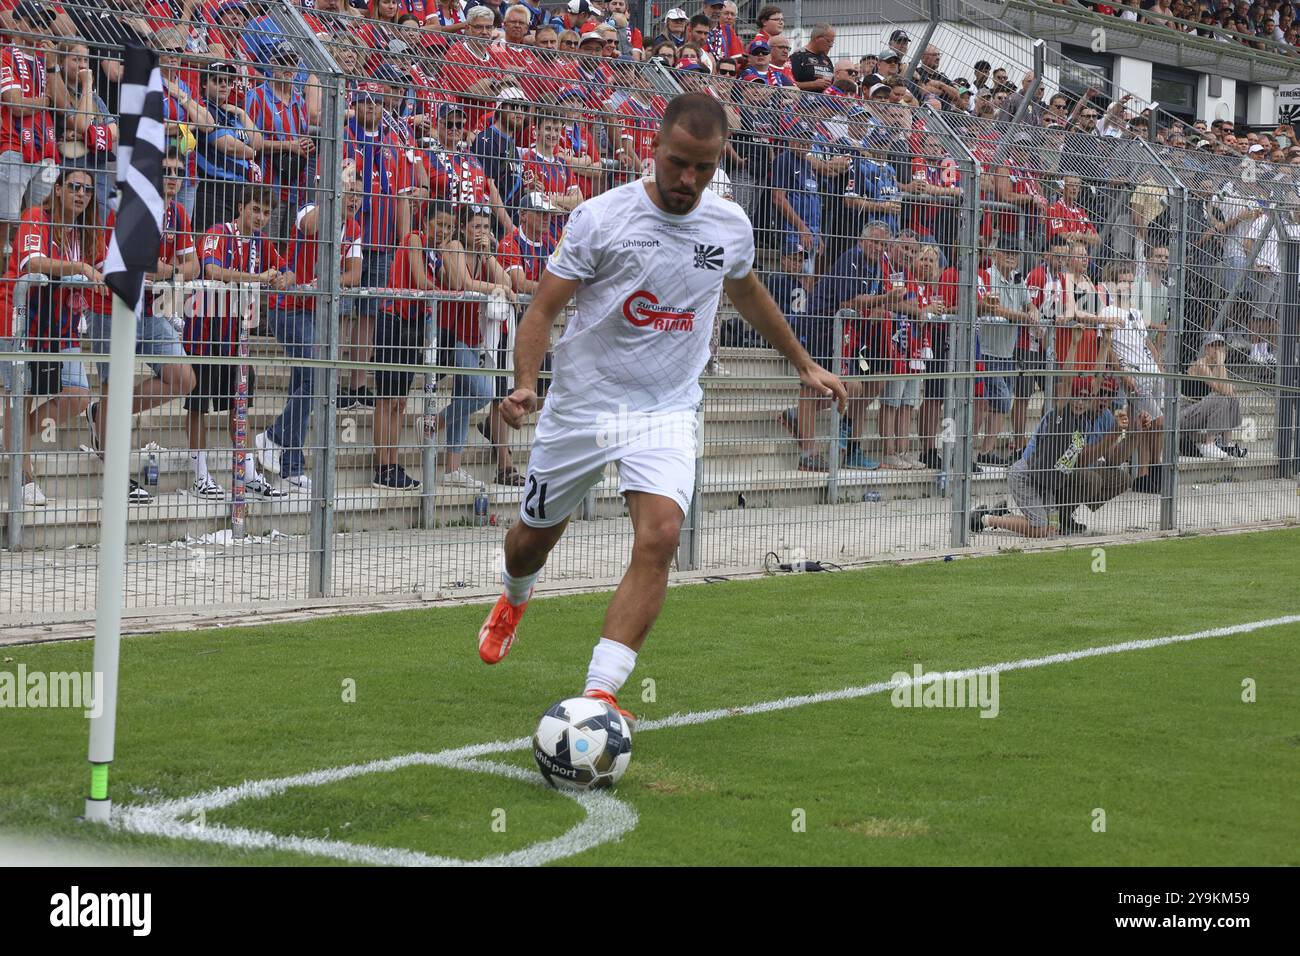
{"x": 642, "y": 309}
{"x": 708, "y": 257}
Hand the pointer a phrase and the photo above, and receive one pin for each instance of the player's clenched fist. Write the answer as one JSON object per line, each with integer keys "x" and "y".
{"x": 518, "y": 405}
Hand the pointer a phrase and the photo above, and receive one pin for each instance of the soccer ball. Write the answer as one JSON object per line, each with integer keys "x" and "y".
{"x": 582, "y": 744}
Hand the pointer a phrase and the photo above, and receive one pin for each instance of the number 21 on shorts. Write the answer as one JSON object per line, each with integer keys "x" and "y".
{"x": 539, "y": 492}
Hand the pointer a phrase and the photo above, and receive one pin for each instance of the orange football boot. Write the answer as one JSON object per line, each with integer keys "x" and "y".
{"x": 497, "y": 634}
{"x": 608, "y": 698}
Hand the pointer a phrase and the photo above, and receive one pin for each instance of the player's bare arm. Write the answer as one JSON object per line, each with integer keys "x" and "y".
{"x": 757, "y": 308}
{"x": 532, "y": 340}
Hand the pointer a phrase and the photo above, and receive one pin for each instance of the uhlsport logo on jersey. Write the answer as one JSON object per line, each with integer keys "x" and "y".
{"x": 708, "y": 257}
{"x": 642, "y": 309}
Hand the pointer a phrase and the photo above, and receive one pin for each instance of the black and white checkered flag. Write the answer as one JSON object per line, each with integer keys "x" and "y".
{"x": 133, "y": 250}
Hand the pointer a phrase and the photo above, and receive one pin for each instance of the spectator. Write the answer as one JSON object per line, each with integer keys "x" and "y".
{"x": 1004, "y": 309}
{"x": 723, "y": 41}
{"x": 227, "y": 155}
{"x": 455, "y": 175}
{"x": 899, "y": 41}
{"x": 936, "y": 185}
{"x": 796, "y": 196}
{"x": 938, "y": 299}
{"x": 1035, "y": 343}
{"x": 27, "y": 134}
{"x": 771, "y": 23}
{"x": 1207, "y": 422}
{"x": 86, "y": 131}
{"x": 386, "y": 181}
{"x": 497, "y": 147}
{"x": 184, "y": 113}
{"x": 547, "y": 38}
{"x": 545, "y": 171}
{"x": 760, "y": 66}
{"x": 60, "y": 238}
{"x": 578, "y": 14}
{"x": 674, "y": 29}
{"x": 630, "y": 39}
{"x": 279, "y": 111}
{"x": 579, "y": 146}
{"x": 156, "y": 332}
{"x": 446, "y": 16}
{"x": 871, "y": 189}
{"x": 865, "y": 281}
{"x": 665, "y": 53}
{"x": 781, "y": 47}
{"x": 639, "y": 117}
{"x": 904, "y": 355}
{"x": 1072, "y": 435}
{"x": 1067, "y": 220}
{"x": 240, "y": 254}
{"x": 470, "y": 267}
{"x": 1144, "y": 393}
{"x": 519, "y": 65}
{"x": 982, "y": 69}
{"x": 293, "y": 323}
{"x": 1081, "y": 323}
{"x": 470, "y": 71}
{"x": 812, "y": 69}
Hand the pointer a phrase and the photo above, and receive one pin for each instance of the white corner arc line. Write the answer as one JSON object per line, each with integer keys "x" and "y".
{"x": 607, "y": 818}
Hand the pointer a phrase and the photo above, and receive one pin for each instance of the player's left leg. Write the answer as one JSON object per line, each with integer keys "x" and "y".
{"x": 656, "y": 526}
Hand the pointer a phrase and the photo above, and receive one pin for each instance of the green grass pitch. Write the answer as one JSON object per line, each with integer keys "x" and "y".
{"x": 1160, "y": 740}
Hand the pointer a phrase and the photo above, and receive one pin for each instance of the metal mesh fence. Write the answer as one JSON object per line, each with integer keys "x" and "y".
{"x": 1047, "y": 323}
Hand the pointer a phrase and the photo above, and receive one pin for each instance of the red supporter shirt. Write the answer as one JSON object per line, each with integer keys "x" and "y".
{"x": 279, "y": 121}
{"x": 462, "y": 68}
{"x": 640, "y": 123}
{"x": 35, "y": 239}
{"x": 384, "y": 173}
{"x": 302, "y": 258}
{"x": 32, "y": 134}
{"x": 517, "y": 251}
{"x": 546, "y": 174}
{"x": 579, "y": 139}
{"x": 1045, "y": 292}
{"x": 1064, "y": 217}
{"x": 224, "y": 246}
{"x": 461, "y": 319}
{"x": 534, "y": 76}
{"x": 456, "y": 177}
{"x": 400, "y": 277}
{"x": 592, "y": 83}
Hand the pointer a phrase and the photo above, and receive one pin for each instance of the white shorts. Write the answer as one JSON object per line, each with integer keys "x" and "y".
{"x": 655, "y": 453}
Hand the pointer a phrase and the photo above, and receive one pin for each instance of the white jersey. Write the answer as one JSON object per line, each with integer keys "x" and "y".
{"x": 650, "y": 285}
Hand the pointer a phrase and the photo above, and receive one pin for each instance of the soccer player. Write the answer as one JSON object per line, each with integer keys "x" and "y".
{"x": 646, "y": 262}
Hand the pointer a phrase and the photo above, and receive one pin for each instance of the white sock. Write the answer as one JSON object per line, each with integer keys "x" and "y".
{"x": 518, "y": 589}
{"x": 611, "y": 663}
{"x": 250, "y": 468}
{"x": 200, "y": 460}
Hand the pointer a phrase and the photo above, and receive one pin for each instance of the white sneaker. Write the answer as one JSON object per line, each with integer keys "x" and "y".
{"x": 460, "y": 478}
{"x": 207, "y": 489}
{"x": 1211, "y": 450}
{"x": 300, "y": 484}
{"x": 268, "y": 452}
{"x": 262, "y": 488}
{"x": 913, "y": 459}
{"x": 717, "y": 368}
{"x": 33, "y": 497}
{"x": 896, "y": 462}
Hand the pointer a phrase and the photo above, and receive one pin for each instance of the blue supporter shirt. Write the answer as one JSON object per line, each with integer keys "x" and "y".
{"x": 878, "y": 182}
{"x": 792, "y": 172}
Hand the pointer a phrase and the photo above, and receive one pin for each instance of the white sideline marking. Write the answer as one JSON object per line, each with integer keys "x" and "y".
{"x": 607, "y": 817}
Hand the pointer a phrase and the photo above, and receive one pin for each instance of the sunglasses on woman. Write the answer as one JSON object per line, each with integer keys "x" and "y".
{"x": 79, "y": 187}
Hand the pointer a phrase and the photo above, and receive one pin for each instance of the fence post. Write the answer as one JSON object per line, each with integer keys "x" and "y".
{"x": 961, "y": 339}
{"x": 16, "y": 420}
{"x": 842, "y": 367}
{"x": 688, "y": 542}
{"x": 1173, "y": 359}
{"x": 328, "y": 298}
{"x": 1286, "y": 422}
{"x": 932, "y": 14}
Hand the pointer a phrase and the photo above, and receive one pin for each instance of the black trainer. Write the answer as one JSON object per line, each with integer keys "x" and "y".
{"x": 136, "y": 494}
{"x": 394, "y": 478}
{"x": 364, "y": 397}
{"x": 92, "y": 414}
{"x": 977, "y": 520}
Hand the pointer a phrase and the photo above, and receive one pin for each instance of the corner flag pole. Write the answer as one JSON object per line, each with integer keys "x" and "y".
{"x": 132, "y": 251}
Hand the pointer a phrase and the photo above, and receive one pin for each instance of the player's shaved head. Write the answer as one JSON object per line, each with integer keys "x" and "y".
{"x": 699, "y": 114}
